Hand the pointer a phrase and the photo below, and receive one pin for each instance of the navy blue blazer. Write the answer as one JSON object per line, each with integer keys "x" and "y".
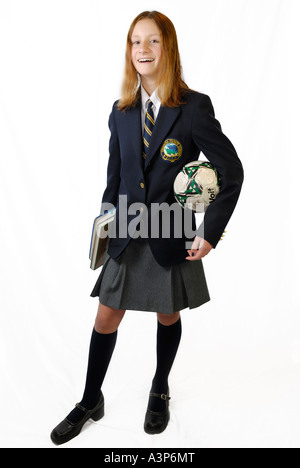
{"x": 194, "y": 128}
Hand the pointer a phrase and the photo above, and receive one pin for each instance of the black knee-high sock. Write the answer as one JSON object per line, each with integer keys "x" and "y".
{"x": 100, "y": 353}
{"x": 168, "y": 339}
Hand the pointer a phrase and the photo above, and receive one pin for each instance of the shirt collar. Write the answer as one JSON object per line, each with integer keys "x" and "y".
{"x": 154, "y": 98}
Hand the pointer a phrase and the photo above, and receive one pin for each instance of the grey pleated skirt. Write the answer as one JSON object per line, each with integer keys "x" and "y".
{"x": 135, "y": 281}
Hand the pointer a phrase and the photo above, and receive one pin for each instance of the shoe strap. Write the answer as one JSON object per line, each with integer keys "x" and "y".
{"x": 81, "y": 408}
{"x": 161, "y": 395}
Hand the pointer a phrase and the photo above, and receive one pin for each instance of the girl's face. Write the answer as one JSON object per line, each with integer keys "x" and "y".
{"x": 146, "y": 51}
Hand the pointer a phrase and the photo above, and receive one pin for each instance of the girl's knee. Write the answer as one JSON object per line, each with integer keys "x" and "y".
{"x": 108, "y": 319}
{"x": 167, "y": 319}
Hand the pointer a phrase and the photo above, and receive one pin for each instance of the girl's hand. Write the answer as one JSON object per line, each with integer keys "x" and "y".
{"x": 200, "y": 248}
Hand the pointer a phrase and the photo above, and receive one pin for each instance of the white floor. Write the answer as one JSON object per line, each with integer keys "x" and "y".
{"x": 225, "y": 393}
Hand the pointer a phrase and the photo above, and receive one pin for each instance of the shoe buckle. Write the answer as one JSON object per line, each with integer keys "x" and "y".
{"x": 163, "y": 396}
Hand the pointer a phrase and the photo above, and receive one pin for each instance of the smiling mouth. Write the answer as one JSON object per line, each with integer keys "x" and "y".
{"x": 145, "y": 60}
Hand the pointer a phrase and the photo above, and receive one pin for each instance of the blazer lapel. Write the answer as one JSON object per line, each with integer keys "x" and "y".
{"x": 165, "y": 119}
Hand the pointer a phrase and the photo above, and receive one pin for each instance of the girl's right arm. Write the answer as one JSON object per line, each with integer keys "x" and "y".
{"x": 110, "y": 195}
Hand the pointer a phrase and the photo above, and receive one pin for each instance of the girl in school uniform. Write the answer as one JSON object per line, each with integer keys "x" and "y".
{"x": 154, "y": 273}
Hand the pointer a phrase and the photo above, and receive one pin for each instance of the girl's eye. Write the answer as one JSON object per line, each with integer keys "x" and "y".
{"x": 153, "y": 41}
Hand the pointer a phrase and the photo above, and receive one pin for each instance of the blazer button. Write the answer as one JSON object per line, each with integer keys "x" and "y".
{"x": 142, "y": 185}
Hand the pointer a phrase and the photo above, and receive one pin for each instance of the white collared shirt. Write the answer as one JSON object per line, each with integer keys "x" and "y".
{"x": 156, "y": 105}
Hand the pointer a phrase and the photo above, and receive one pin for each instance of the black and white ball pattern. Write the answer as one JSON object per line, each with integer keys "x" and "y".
{"x": 197, "y": 185}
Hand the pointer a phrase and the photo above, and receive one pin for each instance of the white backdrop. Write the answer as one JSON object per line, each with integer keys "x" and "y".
{"x": 236, "y": 379}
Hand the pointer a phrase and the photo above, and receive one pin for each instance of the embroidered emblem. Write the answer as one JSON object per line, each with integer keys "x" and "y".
{"x": 171, "y": 150}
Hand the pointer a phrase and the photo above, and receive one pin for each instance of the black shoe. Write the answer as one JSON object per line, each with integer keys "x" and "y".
{"x": 66, "y": 430}
{"x": 157, "y": 421}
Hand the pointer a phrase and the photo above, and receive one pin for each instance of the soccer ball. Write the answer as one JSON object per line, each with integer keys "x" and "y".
{"x": 197, "y": 185}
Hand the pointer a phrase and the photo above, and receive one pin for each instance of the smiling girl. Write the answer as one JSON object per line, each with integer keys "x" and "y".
{"x": 154, "y": 274}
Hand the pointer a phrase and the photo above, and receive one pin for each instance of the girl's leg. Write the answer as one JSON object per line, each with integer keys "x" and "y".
{"x": 108, "y": 319}
{"x": 168, "y": 340}
{"x": 102, "y": 344}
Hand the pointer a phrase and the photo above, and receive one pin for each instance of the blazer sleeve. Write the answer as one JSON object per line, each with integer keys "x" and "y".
{"x": 111, "y": 192}
{"x": 208, "y": 136}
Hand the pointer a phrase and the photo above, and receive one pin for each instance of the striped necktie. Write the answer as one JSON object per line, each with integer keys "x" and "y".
{"x": 148, "y": 127}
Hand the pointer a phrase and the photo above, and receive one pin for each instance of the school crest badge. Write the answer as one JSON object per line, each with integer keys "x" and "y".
{"x": 171, "y": 150}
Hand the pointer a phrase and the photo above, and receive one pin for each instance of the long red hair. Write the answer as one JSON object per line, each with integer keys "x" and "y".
{"x": 170, "y": 82}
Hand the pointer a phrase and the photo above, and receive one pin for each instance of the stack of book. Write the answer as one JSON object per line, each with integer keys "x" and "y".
{"x": 100, "y": 239}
